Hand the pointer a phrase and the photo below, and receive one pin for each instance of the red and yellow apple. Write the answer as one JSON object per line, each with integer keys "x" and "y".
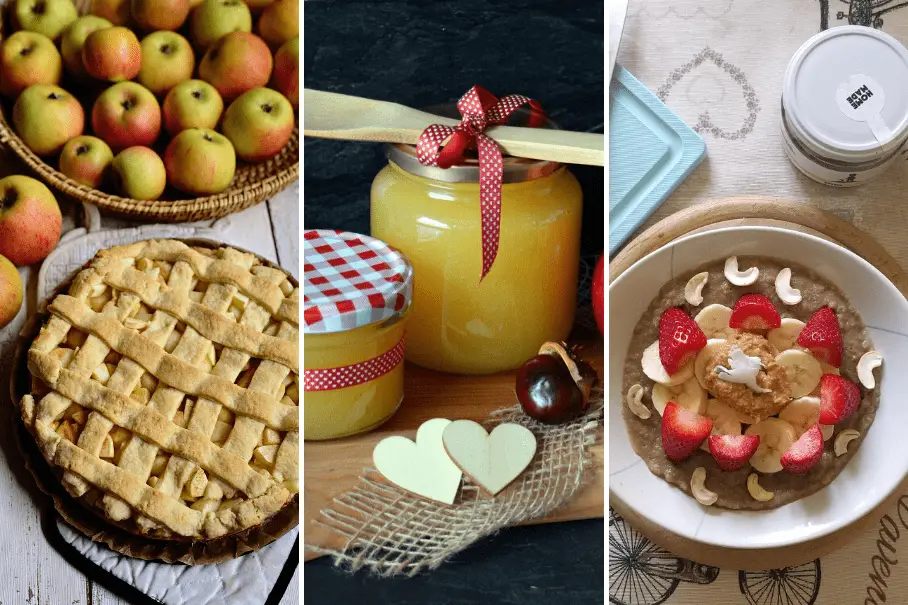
{"x": 85, "y": 160}
{"x": 200, "y": 162}
{"x": 48, "y": 17}
{"x": 154, "y": 15}
{"x": 286, "y": 75}
{"x": 74, "y": 39}
{"x": 46, "y": 117}
{"x": 213, "y": 19}
{"x": 30, "y": 220}
{"x": 126, "y": 115}
{"x": 115, "y": 11}
{"x": 11, "y": 292}
{"x": 236, "y": 63}
{"x": 113, "y": 54}
{"x": 192, "y": 104}
{"x": 138, "y": 173}
{"x": 167, "y": 60}
{"x": 28, "y": 58}
{"x": 280, "y": 22}
{"x": 259, "y": 124}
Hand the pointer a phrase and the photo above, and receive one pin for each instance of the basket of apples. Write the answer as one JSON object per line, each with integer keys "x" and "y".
{"x": 173, "y": 110}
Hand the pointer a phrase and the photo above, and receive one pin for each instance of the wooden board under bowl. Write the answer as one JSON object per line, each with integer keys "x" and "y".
{"x": 332, "y": 467}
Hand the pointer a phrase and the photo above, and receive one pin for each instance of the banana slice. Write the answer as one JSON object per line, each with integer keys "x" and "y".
{"x": 713, "y": 320}
{"x": 786, "y": 335}
{"x": 725, "y": 420}
{"x": 703, "y": 357}
{"x": 776, "y": 437}
{"x": 655, "y": 371}
{"x": 803, "y": 369}
{"x": 689, "y": 395}
{"x": 802, "y": 413}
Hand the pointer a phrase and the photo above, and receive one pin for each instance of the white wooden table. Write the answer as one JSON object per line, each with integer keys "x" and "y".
{"x": 31, "y": 571}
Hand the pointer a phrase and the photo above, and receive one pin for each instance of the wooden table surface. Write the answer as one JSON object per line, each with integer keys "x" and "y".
{"x": 31, "y": 571}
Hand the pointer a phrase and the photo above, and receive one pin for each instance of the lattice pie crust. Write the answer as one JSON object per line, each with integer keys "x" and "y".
{"x": 165, "y": 389}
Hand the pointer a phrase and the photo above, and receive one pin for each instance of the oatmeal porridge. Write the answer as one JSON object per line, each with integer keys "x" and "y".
{"x": 757, "y": 383}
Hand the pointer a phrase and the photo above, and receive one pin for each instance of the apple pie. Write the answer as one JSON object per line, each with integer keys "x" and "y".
{"x": 165, "y": 390}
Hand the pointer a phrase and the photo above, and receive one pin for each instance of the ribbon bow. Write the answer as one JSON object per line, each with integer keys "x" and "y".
{"x": 444, "y": 146}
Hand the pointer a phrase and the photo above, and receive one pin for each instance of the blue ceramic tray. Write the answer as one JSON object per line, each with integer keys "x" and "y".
{"x": 650, "y": 152}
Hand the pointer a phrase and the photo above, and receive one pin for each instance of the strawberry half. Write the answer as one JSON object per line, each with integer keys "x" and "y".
{"x": 805, "y": 452}
{"x": 683, "y": 431}
{"x": 754, "y": 312}
{"x": 822, "y": 337}
{"x": 680, "y": 339}
{"x": 839, "y": 398}
{"x": 731, "y": 452}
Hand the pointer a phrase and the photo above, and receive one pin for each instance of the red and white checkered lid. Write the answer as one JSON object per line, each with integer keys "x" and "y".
{"x": 351, "y": 280}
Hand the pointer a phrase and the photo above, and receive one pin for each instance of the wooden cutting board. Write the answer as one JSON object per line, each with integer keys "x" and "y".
{"x": 332, "y": 467}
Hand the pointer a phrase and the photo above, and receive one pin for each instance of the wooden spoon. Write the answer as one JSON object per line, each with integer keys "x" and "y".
{"x": 329, "y": 115}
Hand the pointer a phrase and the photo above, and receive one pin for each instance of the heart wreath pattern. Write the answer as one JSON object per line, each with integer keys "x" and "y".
{"x": 704, "y": 122}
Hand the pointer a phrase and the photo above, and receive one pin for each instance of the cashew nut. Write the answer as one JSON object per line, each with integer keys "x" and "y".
{"x": 634, "y": 401}
{"x": 827, "y": 430}
{"x": 787, "y": 294}
{"x": 697, "y": 487}
{"x": 739, "y": 278}
{"x": 843, "y": 439}
{"x": 693, "y": 290}
{"x": 869, "y": 361}
{"x": 756, "y": 490}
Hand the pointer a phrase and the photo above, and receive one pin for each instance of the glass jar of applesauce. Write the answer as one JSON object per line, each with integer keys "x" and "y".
{"x": 356, "y": 298}
{"x": 459, "y": 324}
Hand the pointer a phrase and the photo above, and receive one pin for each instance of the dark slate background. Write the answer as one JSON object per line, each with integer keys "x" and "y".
{"x": 421, "y": 54}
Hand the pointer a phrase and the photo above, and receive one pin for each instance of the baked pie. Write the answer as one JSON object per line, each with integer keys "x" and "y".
{"x": 165, "y": 390}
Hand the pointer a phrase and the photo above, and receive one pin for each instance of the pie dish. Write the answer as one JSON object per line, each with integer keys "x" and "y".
{"x": 874, "y": 470}
{"x": 164, "y": 391}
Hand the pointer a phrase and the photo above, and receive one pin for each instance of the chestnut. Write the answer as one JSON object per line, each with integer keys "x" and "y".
{"x": 554, "y": 386}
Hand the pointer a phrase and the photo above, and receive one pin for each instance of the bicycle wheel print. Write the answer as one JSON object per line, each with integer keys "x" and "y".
{"x": 640, "y": 573}
{"x": 798, "y": 585}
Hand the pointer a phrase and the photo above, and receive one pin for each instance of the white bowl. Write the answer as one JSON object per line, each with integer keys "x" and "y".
{"x": 870, "y": 476}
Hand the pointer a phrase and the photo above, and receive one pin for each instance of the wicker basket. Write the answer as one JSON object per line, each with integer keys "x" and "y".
{"x": 253, "y": 183}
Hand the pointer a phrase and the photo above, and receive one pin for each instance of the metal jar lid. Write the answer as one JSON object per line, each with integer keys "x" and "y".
{"x": 515, "y": 170}
{"x": 824, "y": 107}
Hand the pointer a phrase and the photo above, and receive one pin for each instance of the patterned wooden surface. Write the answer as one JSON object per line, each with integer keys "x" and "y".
{"x": 31, "y": 571}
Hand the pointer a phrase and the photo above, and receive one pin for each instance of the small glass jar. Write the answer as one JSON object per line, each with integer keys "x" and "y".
{"x": 459, "y": 324}
{"x": 357, "y": 293}
{"x": 845, "y": 105}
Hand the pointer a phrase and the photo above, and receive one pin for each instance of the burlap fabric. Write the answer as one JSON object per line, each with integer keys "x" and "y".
{"x": 391, "y": 532}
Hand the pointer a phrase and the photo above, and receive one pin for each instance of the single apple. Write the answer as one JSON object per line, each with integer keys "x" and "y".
{"x": 259, "y": 124}
{"x": 113, "y": 54}
{"x": 167, "y": 60}
{"x": 154, "y": 15}
{"x": 115, "y": 11}
{"x": 598, "y": 293}
{"x": 215, "y": 18}
{"x": 74, "y": 39}
{"x": 48, "y": 17}
{"x": 236, "y": 63}
{"x": 138, "y": 173}
{"x": 85, "y": 160}
{"x": 200, "y": 162}
{"x": 46, "y": 117}
{"x": 11, "y": 291}
{"x": 192, "y": 104}
{"x": 280, "y": 22}
{"x": 30, "y": 220}
{"x": 126, "y": 115}
{"x": 286, "y": 75}
{"x": 28, "y": 58}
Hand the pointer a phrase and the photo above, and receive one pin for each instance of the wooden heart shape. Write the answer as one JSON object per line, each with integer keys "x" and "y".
{"x": 491, "y": 460}
{"x": 423, "y": 467}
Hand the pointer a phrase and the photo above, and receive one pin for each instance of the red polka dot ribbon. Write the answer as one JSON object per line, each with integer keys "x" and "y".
{"x": 444, "y": 146}
{"x": 330, "y": 379}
